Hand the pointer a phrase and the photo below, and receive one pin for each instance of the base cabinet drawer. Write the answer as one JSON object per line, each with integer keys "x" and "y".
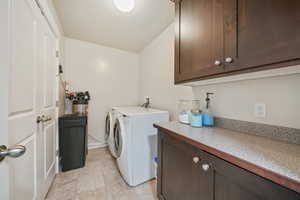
{"x": 181, "y": 174}
{"x": 186, "y": 172}
{"x": 234, "y": 183}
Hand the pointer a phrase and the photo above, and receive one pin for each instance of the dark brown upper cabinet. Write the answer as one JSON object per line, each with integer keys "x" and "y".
{"x": 199, "y": 41}
{"x": 216, "y": 38}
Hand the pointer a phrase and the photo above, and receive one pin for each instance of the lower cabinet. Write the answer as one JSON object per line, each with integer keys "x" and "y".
{"x": 182, "y": 177}
{"x": 186, "y": 172}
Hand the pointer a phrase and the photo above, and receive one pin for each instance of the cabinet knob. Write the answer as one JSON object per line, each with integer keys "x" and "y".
{"x": 196, "y": 159}
{"x": 205, "y": 167}
{"x": 218, "y": 63}
{"x": 228, "y": 60}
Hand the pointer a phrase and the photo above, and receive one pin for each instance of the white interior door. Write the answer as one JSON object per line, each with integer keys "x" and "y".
{"x": 27, "y": 81}
{"x": 4, "y": 79}
{"x": 21, "y": 112}
{"x": 46, "y": 137}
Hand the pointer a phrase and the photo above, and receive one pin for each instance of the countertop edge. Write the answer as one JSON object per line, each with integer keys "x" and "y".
{"x": 265, "y": 173}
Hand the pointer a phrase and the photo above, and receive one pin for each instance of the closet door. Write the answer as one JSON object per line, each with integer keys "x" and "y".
{"x": 49, "y": 133}
{"x": 46, "y": 137}
{"x": 19, "y": 113}
{"x": 27, "y": 80}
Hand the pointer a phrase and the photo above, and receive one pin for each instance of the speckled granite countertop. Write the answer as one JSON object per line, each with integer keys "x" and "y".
{"x": 278, "y": 157}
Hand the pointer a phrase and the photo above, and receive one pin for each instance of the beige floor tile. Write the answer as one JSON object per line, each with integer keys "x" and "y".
{"x": 87, "y": 195}
{"x": 100, "y": 179}
{"x": 102, "y": 194}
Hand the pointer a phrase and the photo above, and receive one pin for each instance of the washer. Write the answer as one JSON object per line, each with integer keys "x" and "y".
{"x": 109, "y": 124}
{"x": 135, "y": 141}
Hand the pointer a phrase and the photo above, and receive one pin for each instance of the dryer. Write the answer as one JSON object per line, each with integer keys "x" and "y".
{"x": 135, "y": 141}
{"x": 109, "y": 124}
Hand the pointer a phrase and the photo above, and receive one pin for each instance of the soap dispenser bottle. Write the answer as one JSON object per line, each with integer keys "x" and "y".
{"x": 208, "y": 118}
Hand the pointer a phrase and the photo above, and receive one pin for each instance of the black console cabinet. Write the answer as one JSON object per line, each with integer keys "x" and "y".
{"x": 72, "y": 141}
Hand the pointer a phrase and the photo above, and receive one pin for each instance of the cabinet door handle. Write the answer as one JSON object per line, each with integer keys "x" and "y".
{"x": 228, "y": 60}
{"x": 205, "y": 167}
{"x": 218, "y": 62}
{"x": 196, "y": 159}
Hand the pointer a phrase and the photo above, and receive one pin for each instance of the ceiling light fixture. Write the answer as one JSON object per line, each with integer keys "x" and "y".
{"x": 124, "y": 5}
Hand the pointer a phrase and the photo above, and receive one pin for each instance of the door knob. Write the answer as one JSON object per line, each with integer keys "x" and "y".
{"x": 205, "y": 167}
{"x": 39, "y": 119}
{"x": 14, "y": 152}
{"x": 176, "y": 1}
{"x": 218, "y": 63}
{"x": 48, "y": 118}
{"x": 228, "y": 60}
{"x": 43, "y": 118}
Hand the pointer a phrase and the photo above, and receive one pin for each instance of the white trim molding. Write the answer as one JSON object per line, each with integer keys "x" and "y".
{"x": 247, "y": 76}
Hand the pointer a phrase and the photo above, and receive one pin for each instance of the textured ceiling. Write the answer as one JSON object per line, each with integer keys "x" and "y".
{"x": 100, "y": 22}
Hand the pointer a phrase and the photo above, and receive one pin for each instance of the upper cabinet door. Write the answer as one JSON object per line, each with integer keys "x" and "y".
{"x": 199, "y": 39}
{"x": 261, "y": 34}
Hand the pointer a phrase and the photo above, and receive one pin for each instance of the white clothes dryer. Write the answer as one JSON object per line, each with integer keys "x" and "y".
{"x": 109, "y": 124}
{"x": 135, "y": 141}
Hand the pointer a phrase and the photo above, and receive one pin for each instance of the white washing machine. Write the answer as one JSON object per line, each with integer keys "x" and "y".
{"x": 135, "y": 141}
{"x": 109, "y": 126}
{"x": 109, "y": 136}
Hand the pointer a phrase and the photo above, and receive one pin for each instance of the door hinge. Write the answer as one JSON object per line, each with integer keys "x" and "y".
{"x": 57, "y": 152}
{"x": 57, "y": 104}
{"x": 57, "y": 54}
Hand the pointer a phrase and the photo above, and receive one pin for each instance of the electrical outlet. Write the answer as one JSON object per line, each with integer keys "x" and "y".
{"x": 260, "y": 110}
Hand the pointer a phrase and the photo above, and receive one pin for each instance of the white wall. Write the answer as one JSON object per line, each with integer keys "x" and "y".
{"x": 157, "y": 74}
{"x": 233, "y": 100}
{"x": 236, "y": 100}
{"x": 110, "y": 75}
{"x": 117, "y": 78}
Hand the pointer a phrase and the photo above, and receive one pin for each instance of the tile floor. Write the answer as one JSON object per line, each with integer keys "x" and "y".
{"x": 98, "y": 180}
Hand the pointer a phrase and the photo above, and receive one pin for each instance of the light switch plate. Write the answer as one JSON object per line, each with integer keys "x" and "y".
{"x": 260, "y": 110}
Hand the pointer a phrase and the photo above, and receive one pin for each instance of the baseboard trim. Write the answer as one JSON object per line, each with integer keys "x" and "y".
{"x": 95, "y": 146}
